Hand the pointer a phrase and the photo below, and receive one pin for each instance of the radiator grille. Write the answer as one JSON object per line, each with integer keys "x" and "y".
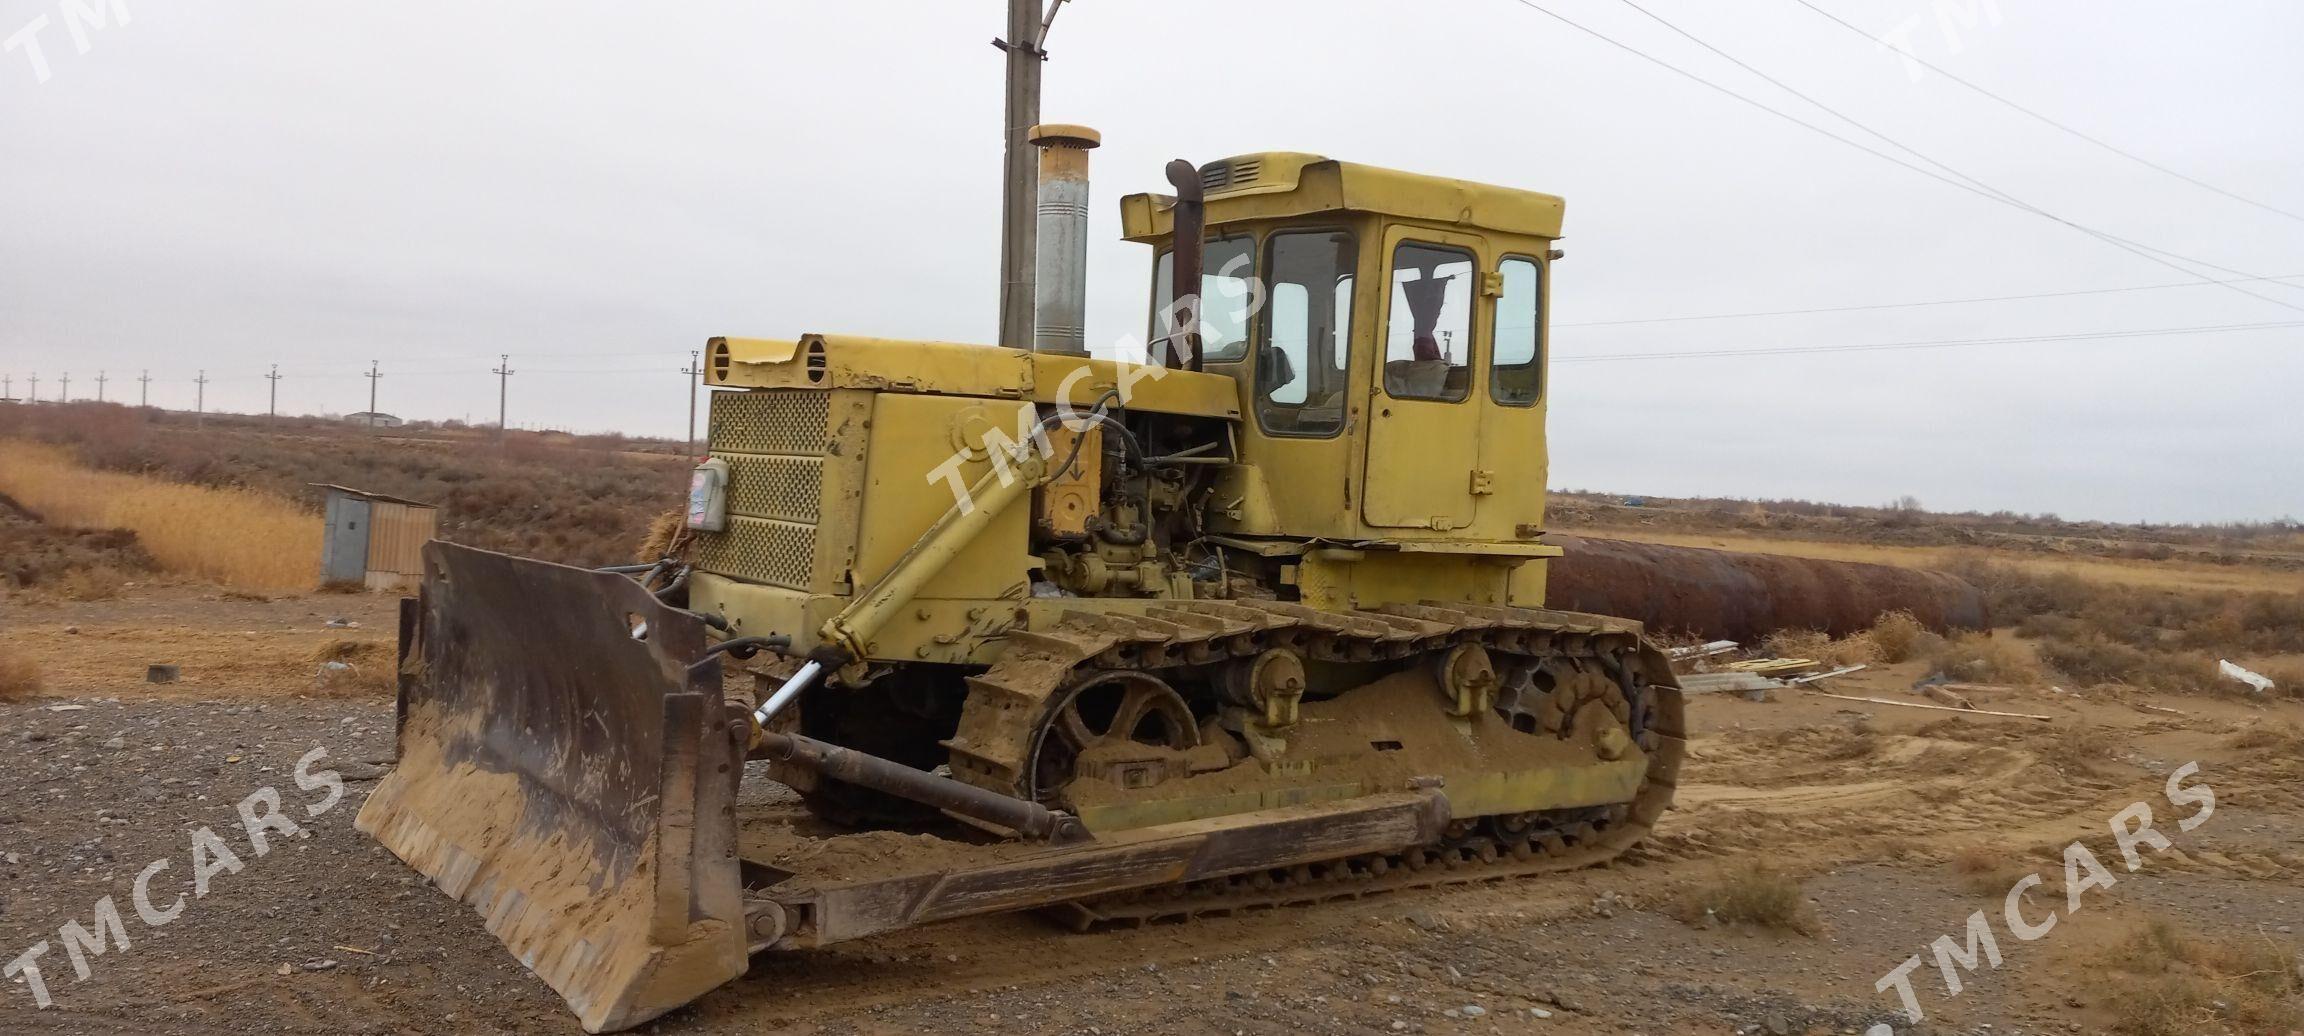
{"x": 788, "y": 421}
{"x": 786, "y": 488}
{"x": 763, "y": 550}
{"x": 775, "y": 442}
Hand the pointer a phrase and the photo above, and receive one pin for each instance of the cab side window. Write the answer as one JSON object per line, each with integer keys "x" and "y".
{"x": 1516, "y": 373}
{"x": 1428, "y": 343}
{"x": 1306, "y": 347}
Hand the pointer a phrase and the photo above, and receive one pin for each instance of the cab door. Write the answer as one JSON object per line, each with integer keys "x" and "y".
{"x": 1424, "y": 414}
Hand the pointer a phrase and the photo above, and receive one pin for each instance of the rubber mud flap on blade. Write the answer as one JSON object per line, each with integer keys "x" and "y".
{"x": 561, "y": 775}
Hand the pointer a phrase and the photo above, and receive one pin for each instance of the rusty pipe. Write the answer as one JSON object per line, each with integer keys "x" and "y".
{"x": 1739, "y": 596}
{"x": 1029, "y": 819}
{"x": 1187, "y": 247}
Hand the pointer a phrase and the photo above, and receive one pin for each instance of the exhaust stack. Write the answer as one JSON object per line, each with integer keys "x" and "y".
{"x": 1060, "y": 268}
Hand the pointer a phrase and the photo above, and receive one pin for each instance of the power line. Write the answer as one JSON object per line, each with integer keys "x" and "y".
{"x": 2129, "y": 155}
{"x": 1973, "y": 187}
{"x": 1941, "y": 343}
{"x": 1905, "y": 305}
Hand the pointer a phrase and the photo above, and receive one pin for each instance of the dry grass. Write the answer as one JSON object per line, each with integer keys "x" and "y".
{"x": 19, "y": 675}
{"x": 1755, "y": 894}
{"x": 1898, "y": 637}
{"x": 370, "y": 665}
{"x": 1986, "y": 871}
{"x": 91, "y": 584}
{"x": 2286, "y": 738}
{"x": 668, "y": 536}
{"x": 1819, "y": 646}
{"x": 1984, "y": 658}
{"x": 2173, "y": 982}
{"x": 235, "y": 537}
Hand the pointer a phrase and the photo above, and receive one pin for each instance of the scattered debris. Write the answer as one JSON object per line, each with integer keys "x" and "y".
{"x": 1939, "y": 694}
{"x": 1713, "y": 683}
{"x": 2258, "y": 681}
{"x": 1773, "y": 666}
{"x": 1942, "y": 708}
{"x": 341, "y": 623}
{"x": 161, "y": 674}
{"x": 1825, "y": 675}
{"x": 66, "y": 708}
{"x": 1706, "y": 650}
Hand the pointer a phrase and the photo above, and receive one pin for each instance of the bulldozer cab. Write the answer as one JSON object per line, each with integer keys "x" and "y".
{"x": 1386, "y": 331}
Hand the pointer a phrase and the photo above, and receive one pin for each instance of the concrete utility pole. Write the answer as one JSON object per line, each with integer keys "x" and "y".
{"x": 504, "y": 373}
{"x": 64, "y": 395}
{"x": 144, "y": 390}
{"x": 100, "y": 380}
{"x": 374, "y": 374}
{"x": 273, "y": 409}
{"x": 1019, "y": 184}
{"x": 695, "y": 373}
{"x": 200, "y": 400}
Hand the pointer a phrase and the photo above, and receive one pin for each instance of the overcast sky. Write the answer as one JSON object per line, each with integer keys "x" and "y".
{"x": 596, "y": 188}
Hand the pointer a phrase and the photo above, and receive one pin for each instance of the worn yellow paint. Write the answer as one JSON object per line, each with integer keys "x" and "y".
{"x": 955, "y": 369}
{"x": 1442, "y": 501}
{"x": 1289, "y": 184}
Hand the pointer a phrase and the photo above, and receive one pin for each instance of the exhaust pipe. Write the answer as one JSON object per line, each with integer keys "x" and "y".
{"x": 1060, "y": 268}
{"x": 1182, "y": 348}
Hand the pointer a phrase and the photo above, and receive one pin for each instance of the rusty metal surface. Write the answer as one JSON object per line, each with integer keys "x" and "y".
{"x": 560, "y": 774}
{"x": 1737, "y": 596}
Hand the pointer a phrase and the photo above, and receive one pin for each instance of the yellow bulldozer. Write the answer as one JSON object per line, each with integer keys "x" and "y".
{"x": 1259, "y": 620}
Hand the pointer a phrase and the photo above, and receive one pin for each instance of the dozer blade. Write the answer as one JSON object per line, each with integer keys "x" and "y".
{"x": 560, "y": 773}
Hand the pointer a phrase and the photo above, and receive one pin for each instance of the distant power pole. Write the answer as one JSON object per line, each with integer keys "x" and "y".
{"x": 100, "y": 380}
{"x": 374, "y": 374}
{"x": 695, "y": 373}
{"x": 7, "y": 388}
{"x": 64, "y": 395}
{"x": 144, "y": 390}
{"x": 32, "y": 395}
{"x": 503, "y": 374}
{"x": 274, "y": 410}
{"x": 200, "y": 400}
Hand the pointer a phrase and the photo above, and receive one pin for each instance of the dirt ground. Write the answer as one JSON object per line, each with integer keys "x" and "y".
{"x": 1874, "y": 808}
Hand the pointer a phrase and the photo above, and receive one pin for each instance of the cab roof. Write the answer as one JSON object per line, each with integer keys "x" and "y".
{"x": 1277, "y": 184}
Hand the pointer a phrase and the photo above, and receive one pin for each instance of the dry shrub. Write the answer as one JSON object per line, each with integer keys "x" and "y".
{"x": 235, "y": 537}
{"x": 2285, "y": 739}
{"x": 1858, "y": 742}
{"x": 2093, "y": 658}
{"x": 90, "y": 584}
{"x": 1898, "y": 637}
{"x": 668, "y": 536}
{"x": 1986, "y": 871}
{"x": 1756, "y": 894}
{"x": 2173, "y": 982}
{"x": 1818, "y": 646}
{"x": 1984, "y": 658}
{"x": 19, "y": 675}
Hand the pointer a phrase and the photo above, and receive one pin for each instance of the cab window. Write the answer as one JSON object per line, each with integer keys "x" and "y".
{"x": 1228, "y": 298}
{"x": 1428, "y": 340}
{"x": 1302, "y": 362}
{"x": 1516, "y": 372}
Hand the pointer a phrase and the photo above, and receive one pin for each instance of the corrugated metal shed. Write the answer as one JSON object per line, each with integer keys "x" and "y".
{"x": 375, "y": 540}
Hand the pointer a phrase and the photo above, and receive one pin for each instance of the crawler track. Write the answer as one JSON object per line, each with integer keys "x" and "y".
{"x": 993, "y": 746}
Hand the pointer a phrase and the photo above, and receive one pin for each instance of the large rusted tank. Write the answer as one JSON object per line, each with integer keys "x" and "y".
{"x": 1739, "y": 596}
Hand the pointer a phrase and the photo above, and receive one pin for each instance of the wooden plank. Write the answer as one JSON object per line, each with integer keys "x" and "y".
{"x": 1942, "y": 708}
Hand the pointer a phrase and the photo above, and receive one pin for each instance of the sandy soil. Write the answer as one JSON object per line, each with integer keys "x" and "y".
{"x": 1869, "y": 805}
